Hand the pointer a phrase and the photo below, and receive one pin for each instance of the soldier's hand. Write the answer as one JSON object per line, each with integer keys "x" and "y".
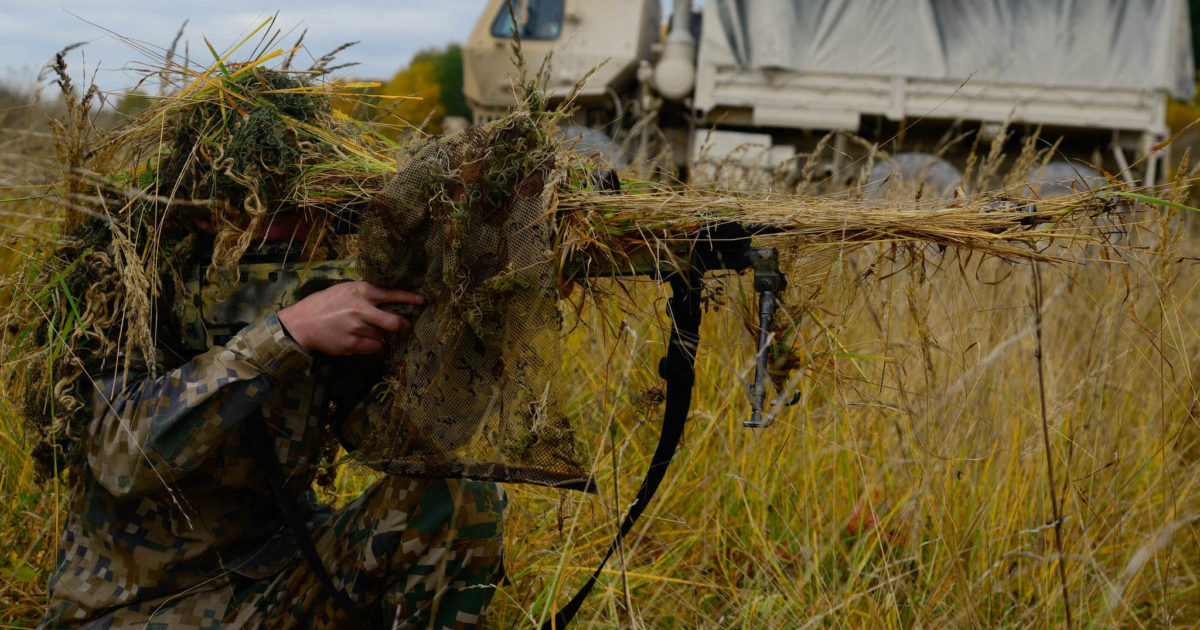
{"x": 346, "y": 319}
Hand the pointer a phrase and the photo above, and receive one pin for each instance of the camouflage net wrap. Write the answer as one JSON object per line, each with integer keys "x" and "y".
{"x": 474, "y": 390}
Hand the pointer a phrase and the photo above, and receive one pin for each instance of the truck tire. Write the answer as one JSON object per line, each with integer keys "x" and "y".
{"x": 1061, "y": 178}
{"x": 594, "y": 144}
{"x": 905, "y": 173}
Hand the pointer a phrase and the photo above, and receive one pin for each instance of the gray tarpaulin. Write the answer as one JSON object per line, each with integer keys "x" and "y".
{"x": 1139, "y": 44}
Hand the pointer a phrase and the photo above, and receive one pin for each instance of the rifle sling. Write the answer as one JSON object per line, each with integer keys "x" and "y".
{"x": 294, "y": 515}
{"x": 679, "y": 371}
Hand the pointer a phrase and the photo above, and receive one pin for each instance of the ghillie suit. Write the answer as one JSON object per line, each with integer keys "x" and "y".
{"x": 187, "y": 460}
{"x": 137, "y": 198}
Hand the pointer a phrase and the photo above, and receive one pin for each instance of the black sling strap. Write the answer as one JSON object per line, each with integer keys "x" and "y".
{"x": 294, "y": 515}
{"x": 678, "y": 368}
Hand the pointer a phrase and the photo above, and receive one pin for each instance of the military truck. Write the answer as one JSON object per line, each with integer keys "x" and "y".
{"x": 772, "y": 82}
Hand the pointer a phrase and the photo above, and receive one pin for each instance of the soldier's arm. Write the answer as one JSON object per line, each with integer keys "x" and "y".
{"x": 147, "y": 432}
{"x": 150, "y": 431}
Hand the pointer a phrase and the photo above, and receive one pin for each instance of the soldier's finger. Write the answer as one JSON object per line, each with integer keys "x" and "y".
{"x": 385, "y": 320}
{"x": 363, "y": 345}
{"x": 384, "y": 295}
{"x": 370, "y": 332}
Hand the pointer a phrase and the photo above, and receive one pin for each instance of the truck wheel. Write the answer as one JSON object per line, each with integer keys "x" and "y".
{"x": 906, "y": 173}
{"x": 1060, "y": 178}
{"x": 594, "y": 144}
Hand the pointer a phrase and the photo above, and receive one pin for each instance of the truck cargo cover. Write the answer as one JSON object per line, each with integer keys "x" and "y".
{"x": 1132, "y": 44}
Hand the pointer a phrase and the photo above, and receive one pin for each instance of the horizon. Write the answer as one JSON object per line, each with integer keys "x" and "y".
{"x": 389, "y": 36}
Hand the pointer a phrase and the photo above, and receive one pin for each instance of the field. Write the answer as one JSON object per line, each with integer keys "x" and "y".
{"x": 951, "y": 463}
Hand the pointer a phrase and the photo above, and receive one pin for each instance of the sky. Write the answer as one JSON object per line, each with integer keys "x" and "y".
{"x": 390, "y": 32}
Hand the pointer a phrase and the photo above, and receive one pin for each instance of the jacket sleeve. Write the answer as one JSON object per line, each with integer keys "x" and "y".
{"x": 147, "y": 432}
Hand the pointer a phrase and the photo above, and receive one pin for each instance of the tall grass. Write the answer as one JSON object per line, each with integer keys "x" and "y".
{"x": 29, "y": 521}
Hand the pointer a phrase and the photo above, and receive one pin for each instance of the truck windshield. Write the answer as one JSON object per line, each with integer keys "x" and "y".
{"x": 542, "y": 20}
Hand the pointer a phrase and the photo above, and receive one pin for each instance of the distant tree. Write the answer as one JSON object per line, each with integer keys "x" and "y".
{"x": 433, "y": 77}
{"x": 17, "y": 109}
{"x": 418, "y": 80}
{"x": 1195, "y": 7}
{"x": 132, "y": 103}
{"x": 448, "y": 72}
{"x": 9, "y": 97}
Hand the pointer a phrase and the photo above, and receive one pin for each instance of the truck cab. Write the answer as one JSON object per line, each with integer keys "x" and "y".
{"x": 607, "y": 39}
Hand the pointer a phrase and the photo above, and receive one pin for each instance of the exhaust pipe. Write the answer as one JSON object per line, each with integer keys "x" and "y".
{"x": 675, "y": 74}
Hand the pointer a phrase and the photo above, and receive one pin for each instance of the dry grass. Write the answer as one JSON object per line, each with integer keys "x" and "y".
{"x": 908, "y": 488}
{"x": 28, "y": 512}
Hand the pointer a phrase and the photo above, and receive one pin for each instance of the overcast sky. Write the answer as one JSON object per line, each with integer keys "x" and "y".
{"x": 390, "y": 32}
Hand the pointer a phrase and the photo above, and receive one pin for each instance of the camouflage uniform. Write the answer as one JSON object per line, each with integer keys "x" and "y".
{"x": 172, "y": 524}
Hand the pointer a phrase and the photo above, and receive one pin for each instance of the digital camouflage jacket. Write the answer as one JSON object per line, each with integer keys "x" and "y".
{"x": 169, "y": 505}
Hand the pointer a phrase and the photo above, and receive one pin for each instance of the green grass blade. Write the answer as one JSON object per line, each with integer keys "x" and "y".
{"x": 1155, "y": 201}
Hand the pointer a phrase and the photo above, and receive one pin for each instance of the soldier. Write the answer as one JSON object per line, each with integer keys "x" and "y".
{"x": 174, "y": 522}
